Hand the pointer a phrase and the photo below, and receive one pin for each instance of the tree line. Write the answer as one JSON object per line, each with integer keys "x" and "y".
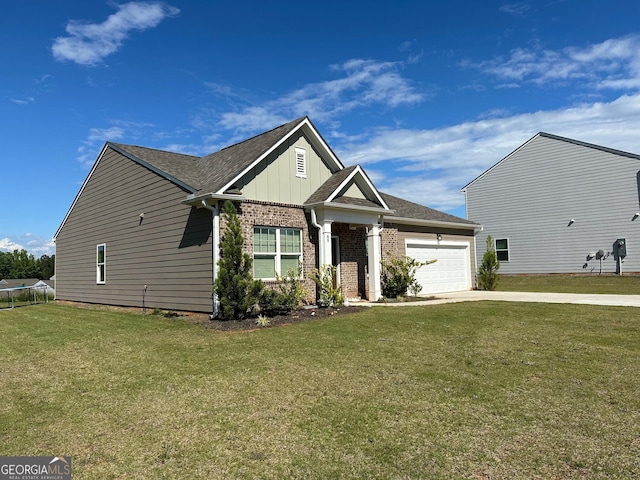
{"x": 21, "y": 264}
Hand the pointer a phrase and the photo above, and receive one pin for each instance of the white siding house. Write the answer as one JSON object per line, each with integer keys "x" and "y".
{"x": 557, "y": 205}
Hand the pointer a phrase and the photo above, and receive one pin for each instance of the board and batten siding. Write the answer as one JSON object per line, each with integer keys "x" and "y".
{"x": 531, "y": 196}
{"x": 169, "y": 250}
{"x": 274, "y": 179}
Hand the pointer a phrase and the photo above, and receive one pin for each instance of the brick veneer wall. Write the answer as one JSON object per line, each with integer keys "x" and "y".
{"x": 353, "y": 259}
{"x": 389, "y": 241}
{"x": 254, "y": 213}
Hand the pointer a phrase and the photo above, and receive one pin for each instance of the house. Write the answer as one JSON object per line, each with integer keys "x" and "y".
{"x": 145, "y": 227}
{"x": 28, "y": 282}
{"x": 557, "y": 205}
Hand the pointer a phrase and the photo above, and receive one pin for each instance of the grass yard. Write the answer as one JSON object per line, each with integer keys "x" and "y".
{"x": 478, "y": 390}
{"x": 609, "y": 284}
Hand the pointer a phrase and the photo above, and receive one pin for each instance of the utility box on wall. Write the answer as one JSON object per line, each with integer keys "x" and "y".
{"x": 621, "y": 247}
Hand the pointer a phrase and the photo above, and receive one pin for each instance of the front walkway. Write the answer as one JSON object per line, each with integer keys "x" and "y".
{"x": 477, "y": 295}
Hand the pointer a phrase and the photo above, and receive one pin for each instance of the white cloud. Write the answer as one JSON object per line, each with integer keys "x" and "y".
{"x": 90, "y": 43}
{"x": 515, "y": 9}
{"x": 33, "y": 244}
{"x": 612, "y": 64}
{"x": 431, "y": 166}
{"x": 8, "y": 245}
{"x": 89, "y": 149}
{"x": 360, "y": 83}
{"x": 23, "y": 101}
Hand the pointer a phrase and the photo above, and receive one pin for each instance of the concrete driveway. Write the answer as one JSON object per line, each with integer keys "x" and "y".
{"x": 477, "y": 295}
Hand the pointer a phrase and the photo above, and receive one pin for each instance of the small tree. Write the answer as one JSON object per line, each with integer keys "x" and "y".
{"x": 488, "y": 273}
{"x": 234, "y": 284}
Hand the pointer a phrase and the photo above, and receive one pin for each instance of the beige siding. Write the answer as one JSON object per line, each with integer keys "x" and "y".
{"x": 274, "y": 179}
{"x": 353, "y": 191}
{"x": 169, "y": 250}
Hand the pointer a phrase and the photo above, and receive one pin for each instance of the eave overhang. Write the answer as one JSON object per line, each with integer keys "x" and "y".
{"x": 434, "y": 223}
{"x": 347, "y": 207}
{"x": 196, "y": 199}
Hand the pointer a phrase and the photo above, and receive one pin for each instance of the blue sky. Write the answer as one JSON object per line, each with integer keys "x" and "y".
{"x": 425, "y": 95}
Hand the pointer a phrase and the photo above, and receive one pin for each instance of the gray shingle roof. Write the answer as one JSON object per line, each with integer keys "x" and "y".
{"x": 182, "y": 167}
{"x": 328, "y": 187}
{"x": 212, "y": 172}
{"x": 407, "y": 209}
{"x": 221, "y": 167}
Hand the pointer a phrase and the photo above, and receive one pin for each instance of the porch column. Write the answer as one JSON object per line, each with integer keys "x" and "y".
{"x": 324, "y": 249}
{"x": 374, "y": 246}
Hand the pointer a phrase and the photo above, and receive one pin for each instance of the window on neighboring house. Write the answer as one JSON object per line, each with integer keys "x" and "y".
{"x": 101, "y": 263}
{"x": 301, "y": 162}
{"x": 502, "y": 249}
{"x": 276, "y": 251}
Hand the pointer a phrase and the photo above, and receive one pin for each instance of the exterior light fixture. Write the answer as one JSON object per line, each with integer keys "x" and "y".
{"x": 635, "y": 216}
{"x": 571, "y": 222}
{"x": 439, "y": 236}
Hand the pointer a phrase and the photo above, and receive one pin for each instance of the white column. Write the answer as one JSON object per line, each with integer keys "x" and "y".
{"x": 325, "y": 244}
{"x": 375, "y": 248}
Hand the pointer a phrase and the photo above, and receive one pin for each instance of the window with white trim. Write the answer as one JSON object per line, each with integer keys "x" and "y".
{"x": 101, "y": 263}
{"x": 502, "y": 249}
{"x": 301, "y": 162}
{"x": 276, "y": 251}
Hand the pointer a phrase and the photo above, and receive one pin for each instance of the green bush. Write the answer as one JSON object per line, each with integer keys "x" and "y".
{"x": 399, "y": 276}
{"x": 488, "y": 271}
{"x": 329, "y": 292}
{"x": 287, "y": 295}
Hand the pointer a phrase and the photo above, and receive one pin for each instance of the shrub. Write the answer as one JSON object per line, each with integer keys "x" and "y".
{"x": 488, "y": 272}
{"x": 234, "y": 285}
{"x": 399, "y": 276}
{"x": 287, "y": 295}
{"x": 329, "y": 292}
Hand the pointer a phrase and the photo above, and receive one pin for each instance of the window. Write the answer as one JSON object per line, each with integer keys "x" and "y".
{"x": 301, "y": 163}
{"x": 101, "y": 263}
{"x": 276, "y": 251}
{"x": 502, "y": 249}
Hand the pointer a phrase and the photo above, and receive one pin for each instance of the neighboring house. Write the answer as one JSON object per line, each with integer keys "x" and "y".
{"x": 27, "y": 282}
{"x": 557, "y": 205}
{"x": 145, "y": 227}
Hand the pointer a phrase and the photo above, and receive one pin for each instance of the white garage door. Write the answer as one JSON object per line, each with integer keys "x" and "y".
{"x": 452, "y": 271}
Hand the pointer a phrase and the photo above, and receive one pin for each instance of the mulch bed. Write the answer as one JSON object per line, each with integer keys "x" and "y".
{"x": 297, "y": 316}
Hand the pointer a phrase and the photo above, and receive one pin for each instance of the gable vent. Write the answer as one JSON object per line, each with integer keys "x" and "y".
{"x": 301, "y": 163}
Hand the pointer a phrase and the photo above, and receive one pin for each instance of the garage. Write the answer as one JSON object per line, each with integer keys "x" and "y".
{"x": 451, "y": 272}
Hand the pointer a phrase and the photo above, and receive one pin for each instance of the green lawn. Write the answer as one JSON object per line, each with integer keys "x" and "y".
{"x": 609, "y": 284}
{"x": 478, "y": 390}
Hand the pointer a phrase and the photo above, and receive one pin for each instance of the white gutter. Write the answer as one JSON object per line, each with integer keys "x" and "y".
{"x": 215, "y": 253}
{"x": 196, "y": 198}
{"x": 434, "y": 223}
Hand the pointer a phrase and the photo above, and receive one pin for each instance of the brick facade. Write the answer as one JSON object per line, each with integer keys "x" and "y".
{"x": 353, "y": 258}
{"x": 389, "y": 241}
{"x": 253, "y": 213}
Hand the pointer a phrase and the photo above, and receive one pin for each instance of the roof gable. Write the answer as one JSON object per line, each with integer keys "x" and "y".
{"x": 222, "y": 169}
{"x": 556, "y": 138}
{"x": 338, "y": 187}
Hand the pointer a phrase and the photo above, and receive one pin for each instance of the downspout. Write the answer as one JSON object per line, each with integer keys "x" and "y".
{"x": 314, "y": 220}
{"x": 215, "y": 254}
